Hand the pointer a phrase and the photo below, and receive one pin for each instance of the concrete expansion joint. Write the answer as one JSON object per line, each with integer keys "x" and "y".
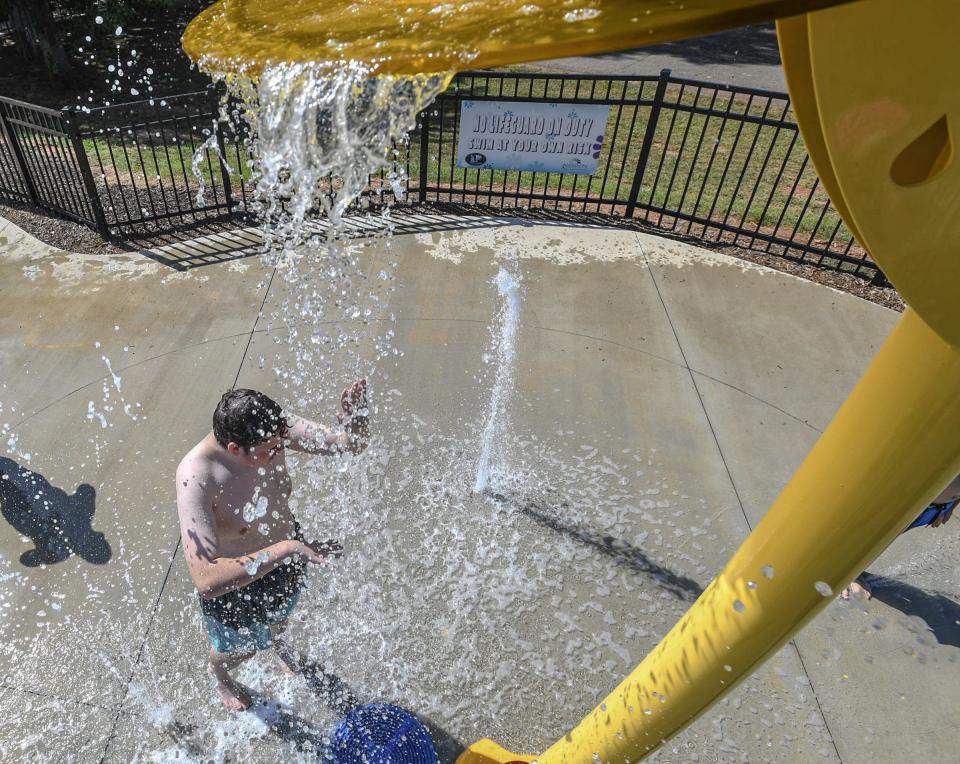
{"x": 57, "y": 698}
{"x": 726, "y": 467}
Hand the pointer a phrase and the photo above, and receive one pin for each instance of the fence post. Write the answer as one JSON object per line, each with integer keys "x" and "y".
{"x": 879, "y": 279}
{"x": 11, "y": 136}
{"x": 647, "y": 141}
{"x": 80, "y": 154}
{"x": 424, "y": 146}
{"x": 222, "y": 151}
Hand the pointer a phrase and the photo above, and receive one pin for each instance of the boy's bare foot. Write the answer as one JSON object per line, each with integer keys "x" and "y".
{"x": 859, "y": 585}
{"x": 232, "y": 694}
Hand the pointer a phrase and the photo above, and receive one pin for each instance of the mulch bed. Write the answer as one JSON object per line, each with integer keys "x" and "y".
{"x": 888, "y": 297}
{"x": 58, "y": 232}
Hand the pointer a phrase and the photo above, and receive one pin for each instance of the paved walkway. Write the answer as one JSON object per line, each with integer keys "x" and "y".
{"x": 748, "y": 56}
{"x": 663, "y": 396}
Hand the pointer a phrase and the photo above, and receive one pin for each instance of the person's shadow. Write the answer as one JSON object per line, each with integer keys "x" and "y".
{"x": 58, "y": 524}
{"x": 941, "y": 614}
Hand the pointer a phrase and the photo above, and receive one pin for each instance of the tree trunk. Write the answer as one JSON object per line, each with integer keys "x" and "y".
{"x": 35, "y": 36}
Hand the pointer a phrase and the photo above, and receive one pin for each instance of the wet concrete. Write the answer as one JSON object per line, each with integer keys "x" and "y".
{"x": 664, "y": 395}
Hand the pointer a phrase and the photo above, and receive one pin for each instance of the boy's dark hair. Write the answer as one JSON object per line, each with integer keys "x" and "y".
{"x": 247, "y": 418}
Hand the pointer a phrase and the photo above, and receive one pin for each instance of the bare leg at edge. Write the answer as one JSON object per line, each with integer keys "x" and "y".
{"x": 233, "y": 696}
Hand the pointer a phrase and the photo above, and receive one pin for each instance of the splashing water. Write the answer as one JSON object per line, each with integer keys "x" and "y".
{"x": 319, "y": 134}
{"x": 498, "y": 419}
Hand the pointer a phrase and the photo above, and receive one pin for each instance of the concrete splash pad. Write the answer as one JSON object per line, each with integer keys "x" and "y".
{"x": 664, "y": 394}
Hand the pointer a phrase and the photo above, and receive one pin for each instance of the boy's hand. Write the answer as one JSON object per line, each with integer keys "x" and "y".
{"x": 354, "y": 415}
{"x": 318, "y": 551}
{"x": 353, "y": 401}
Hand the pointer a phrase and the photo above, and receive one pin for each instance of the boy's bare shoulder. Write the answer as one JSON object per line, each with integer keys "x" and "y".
{"x": 197, "y": 465}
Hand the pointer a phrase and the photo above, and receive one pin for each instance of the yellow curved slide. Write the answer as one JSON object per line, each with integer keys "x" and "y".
{"x": 432, "y": 36}
{"x": 872, "y": 87}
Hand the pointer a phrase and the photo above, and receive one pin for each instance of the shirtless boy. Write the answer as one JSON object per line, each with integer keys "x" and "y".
{"x": 243, "y": 547}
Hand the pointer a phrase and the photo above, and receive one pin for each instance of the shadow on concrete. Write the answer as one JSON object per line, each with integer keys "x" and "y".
{"x": 280, "y": 721}
{"x": 293, "y": 729}
{"x": 58, "y": 524}
{"x": 334, "y": 693}
{"x": 330, "y": 689}
{"x": 196, "y": 246}
{"x": 338, "y": 697}
{"x": 745, "y": 45}
{"x": 940, "y": 613}
{"x": 545, "y": 512}
{"x": 225, "y": 243}
{"x": 448, "y": 747}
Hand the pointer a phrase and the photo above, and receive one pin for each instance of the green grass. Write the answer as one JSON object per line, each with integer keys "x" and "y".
{"x": 156, "y": 163}
{"x": 733, "y": 171}
{"x": 697, "y": 164}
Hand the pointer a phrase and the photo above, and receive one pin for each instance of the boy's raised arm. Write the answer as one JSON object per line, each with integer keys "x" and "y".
{"x": 315, "y": 438}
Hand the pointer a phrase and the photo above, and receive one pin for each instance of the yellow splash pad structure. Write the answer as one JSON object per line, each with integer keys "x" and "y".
{"x": 430, "y": 36}
{"x": 872, "y": 87}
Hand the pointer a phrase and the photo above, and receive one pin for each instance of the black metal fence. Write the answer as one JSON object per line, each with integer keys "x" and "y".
{"x": 714, "y": 162}
{"x": 158, "y": 162}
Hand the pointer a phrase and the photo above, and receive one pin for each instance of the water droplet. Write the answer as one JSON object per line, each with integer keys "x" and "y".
{"x": 98, "y": 20}
{"x": 118, "y": 31}
{"x": 727, "y": 667}
{"x": 768, "y": 571}
{"x": 751, "y": 584}
{"x": 581, "y": 14}
{"x": 823, "y": 588}
{"x": 739, "y": 606}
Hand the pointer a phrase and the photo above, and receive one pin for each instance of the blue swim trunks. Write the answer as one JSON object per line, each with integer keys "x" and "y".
{"x": 240, "y": 620}
{"x": 254, "y": 636}
{"x": 932, "y": 512}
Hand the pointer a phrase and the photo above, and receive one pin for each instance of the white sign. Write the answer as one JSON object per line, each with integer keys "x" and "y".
{"x": 543, "y": 137}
